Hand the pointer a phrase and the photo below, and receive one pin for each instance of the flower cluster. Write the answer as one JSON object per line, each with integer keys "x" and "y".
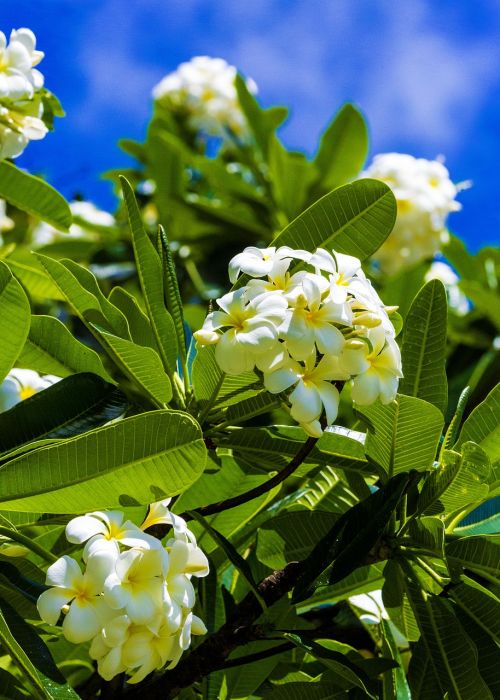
{"x": 134, "y": 598}
{"x": 203, "y": 90}
{"x": 21, "y": 106}
{"x": 425, "y": 196}
{"x": 307, "y": 331}
{"x": 21, "y": 384}
{"x": 90, "y": 219}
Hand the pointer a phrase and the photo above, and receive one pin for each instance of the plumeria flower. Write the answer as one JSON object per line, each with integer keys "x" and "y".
{"x": 312, "y": 321}
{"x": 106, "y": 530}
{"x": 20, "y": 123}
{"x": 313, "y": 391}
{"x": 81, "y": 592}
{"x": 251, "y": 329}
{"x": 136, "y": 584}
{"x": 376, "y": 362}
{"x": 21, "y": 384}
{"x": 343, "y": 269}
{"x": 18, "y": 78}
{"x": 159, "y": 514}
{"x": 259, "y": 262}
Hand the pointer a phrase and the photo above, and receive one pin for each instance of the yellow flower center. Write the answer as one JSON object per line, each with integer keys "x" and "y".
{"x": 26, "y": 392}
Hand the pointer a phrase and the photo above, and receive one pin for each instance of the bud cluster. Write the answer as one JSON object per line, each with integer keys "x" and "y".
{"x": 425, "y": 196}
{"x": 307, "y": 331}
{"x": 21, "y": 105}
{"x": 134, "y": 598}
{"x": 203, "y": 90}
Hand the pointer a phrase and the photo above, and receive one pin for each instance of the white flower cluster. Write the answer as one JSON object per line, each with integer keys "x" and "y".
{"x": 21, "y": 384}
{"x": 87, "y": 213}
{"x": 20, "y": 104}
{"x": 306, "y": 331}
{"x": 204, "y": 90}
{"x": 134, "y": 597}
{"x": 425, "y": 196}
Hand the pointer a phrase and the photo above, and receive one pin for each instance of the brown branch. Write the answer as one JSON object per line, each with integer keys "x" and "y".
{"x": 277, "y": 479}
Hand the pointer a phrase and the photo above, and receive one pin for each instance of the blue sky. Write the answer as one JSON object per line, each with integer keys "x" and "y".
{"x": 426, "y": 74}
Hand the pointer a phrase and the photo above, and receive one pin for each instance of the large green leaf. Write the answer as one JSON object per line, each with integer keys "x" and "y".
{"x": 362, "y": 580}
{"x": 133, "y": 461}
{"x": 262, "y": 122}
{"x": 290, "y": 174}
{"x": 291, "y": 535}
{"x": 422, "y": 678}
{"x": 14, "y": 319}
{"x": 32, "y": 656}
{"x": 347, "y": 545}
{"x": 452, "y": 655}
{"x": 395, "y": 685}
{"x": 150, "y": 273}
{"x": 483, "y": 426}
{"x": 51, "y": 348}
{"x": 480, "y": 604}
{"x": 33, "y": 195}
{"x": 141, "y": 364}
{"x": 72, "y": 406}
{"x": 424, "y": 347}
{"x": 138, "y": 323}
{"x": 343, "y": 148}
{"x": 478, "y": 553}
{"x": 172, "y": 293}
{"x": 323, "y": 687}
{"x": 354, "y": 219}
{"x": 403, "y": 435}
{"x": 32, "y": 276}
{"x": 460, "y": 479}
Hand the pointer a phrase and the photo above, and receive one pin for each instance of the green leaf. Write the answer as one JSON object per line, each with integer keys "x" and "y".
{"x": 343, "y": 148}
{"x": 395, "y": 685}
{"x": 428, "y": 533}
{"x": 480, "y": 604}
{"x": 172, "y": 294}
{"x": 141, "y": 364}
{"x": 422, "y": 679}
{"x": 453, "y": 656}
{"x": 354, "y": 219}
{"x": 346, "y": 674}
{"x": 460, "y": 479}
{"x": 232, "y": 554}
{"x": 483, "y": 299}
{"x": 50, "y": 348}
{"x": 34, "y": 195}
{"x": 150, "y": 273}
{"x": 323, "y": 687}
{"x": 351, "y": 539}
{"x": 14, "y": 319}
{"x": 27, "y": 269}
{"x": 138, "y": 323}
{"x": 32, "y": 657}
{"x": 132, "y": 462}
{"x": 72, "y": 406}
{"x": 362, "y": 580}
{"x": 400, "y": 289}
{"x": 477, "y": 553}
{"x": 290, "y": 175}
{"x": 483, "y": 426}
{"x": 262, "y": 122}
{"x": 403, "y": 435}
{"x": 424, "y": 347}
{"x": 291, "y": 535}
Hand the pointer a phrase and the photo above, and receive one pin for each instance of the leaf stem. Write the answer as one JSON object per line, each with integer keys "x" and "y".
{"x": 28, "y": 543}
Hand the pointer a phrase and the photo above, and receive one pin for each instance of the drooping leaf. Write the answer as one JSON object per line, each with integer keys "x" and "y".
{"x": 354, "y": 219}
{"x": 34, "y": 195}
{"x": 347, "y": 545}
{"x": 403, "y": 435}
{"x": 483, "y": 426}
{"x": 14, "y": 319}
{"x": 32, "y": 657}
{"x": 138, "y": 323}
{"x": 72, "y": 406}
{"x": 151, "y": 278}
{"x": 343, "y": 148}
{"x": 424, "y": 346}
{"x": 51, "y": 348}
{"x": 131, "y": 462}
{"x": 478, "y": 553}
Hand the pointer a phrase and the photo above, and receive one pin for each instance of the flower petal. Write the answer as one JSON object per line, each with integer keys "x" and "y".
{"x": 81, "y": 623}
{"x": 306, "y": 403}
{"x": 51, "y": 602}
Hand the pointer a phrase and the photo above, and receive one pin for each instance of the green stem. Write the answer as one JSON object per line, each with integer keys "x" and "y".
{"x": 28, "y": 543}
{"x": 429, "y": 570}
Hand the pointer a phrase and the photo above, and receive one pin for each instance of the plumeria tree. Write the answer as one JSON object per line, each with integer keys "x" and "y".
{"x": 249, "y": 422}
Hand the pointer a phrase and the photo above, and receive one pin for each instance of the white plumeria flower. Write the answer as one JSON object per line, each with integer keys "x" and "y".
{"x": 136, "y": 584}
{"x": 159, "y": 514}
{"x": 259, "y": 262}
{"x": 20, "y": 123}
{"x": 312, "y": 321}
{"x": 106, "y": 530}
{"x": 425, "y": 196}
{"x": 21, "y": 384}
{"x": 343, "y": 269}
{"x": 81, "y": 592}
{"x": 376, "y": 362}
{"x": 252, "y": 329}
{"x": 204, "y": 90}
{"x": 18, "y": 78}
{"x": 313, "y": 391}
